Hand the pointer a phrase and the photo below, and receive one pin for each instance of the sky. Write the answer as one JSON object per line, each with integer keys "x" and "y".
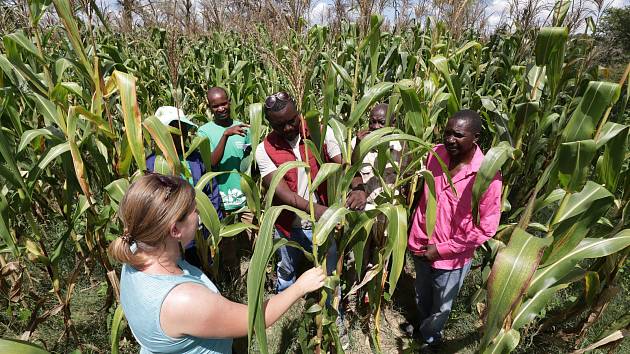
{"x": 494, "y": 11}
{"x": 319, "y": 9}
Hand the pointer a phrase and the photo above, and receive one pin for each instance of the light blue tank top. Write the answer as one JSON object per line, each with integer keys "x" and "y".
{"x": 141, "y": 296}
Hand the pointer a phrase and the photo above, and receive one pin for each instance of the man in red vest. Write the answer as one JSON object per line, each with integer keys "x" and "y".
{"x": 286, "y": 143}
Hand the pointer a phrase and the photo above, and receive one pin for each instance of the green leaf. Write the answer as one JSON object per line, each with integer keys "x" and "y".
{"x": 255, "y": 124}
{"x": 19, "y": 346}
{"x": 50, "y": 112}
{"x": 278, "y": 176}
{"x": 560, "y": 10}
{"x": 574, "y": 162}
{"x": 256, "y": 275}
{"x": 412, "y": 105}
{"x": 431, "y": 212}
{"x": 549, "y": 50}
{"x": 21, "y": 40}
{"x": 209, "y": 216}
{"x": 511, "y": 272}
{"x": 117, "y": 327}
{"x": 325, "y": 171}
{"x": 64, "y": 11}
{"x": 609, "y": 169}
{"x": 491, "y": 165}
{"x": 7, "y": 236}
{"x": 164, "y": 141}
{"x": 117, "y": 189}
{"x": 235, "y": 229}
{"x": 581, "y": 202}
{"x": 396, "y": 241}
{"x": 53, "y": 153}
{"x": 504, "y": 342}
{"x": 598, "y": 97}
{"x": 588, "y": 248}
{"x": 370, "y": 97}
{"x": 441, "y": 64}
{"x": 532, "y": 307}
{"x": 126, "y": 85}
{"x": 327, "y": 222}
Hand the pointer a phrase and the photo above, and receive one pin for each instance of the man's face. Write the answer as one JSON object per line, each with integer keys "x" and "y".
{"x": 219, "y": 105}
{"x": 286, "y": 122}
{"x": 378, "y": 119}
{"x": 459, "y": 138}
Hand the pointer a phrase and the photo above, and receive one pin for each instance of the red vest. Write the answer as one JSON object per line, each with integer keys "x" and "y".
{"x": 279, "y": 152}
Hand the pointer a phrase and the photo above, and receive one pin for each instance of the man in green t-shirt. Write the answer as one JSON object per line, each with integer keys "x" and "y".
{"x": 229, "y": 140}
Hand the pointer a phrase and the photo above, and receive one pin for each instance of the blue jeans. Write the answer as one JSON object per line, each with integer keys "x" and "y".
{"x": 436, "y": 290}
{"x": 290, "y": 258}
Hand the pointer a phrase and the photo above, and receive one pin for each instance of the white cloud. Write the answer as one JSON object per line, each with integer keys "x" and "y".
{"x": 320, "y": 13}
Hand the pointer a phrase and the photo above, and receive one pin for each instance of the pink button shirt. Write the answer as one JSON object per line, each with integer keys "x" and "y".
{"x": 455, "y": 235}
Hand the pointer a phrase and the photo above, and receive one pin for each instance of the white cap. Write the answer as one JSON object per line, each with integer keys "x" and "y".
{"x": 168, "y": 114}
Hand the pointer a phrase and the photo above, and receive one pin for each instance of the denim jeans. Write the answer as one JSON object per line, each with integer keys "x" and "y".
{"x": 436, "y": 290}
{"x": 290, "y": 258}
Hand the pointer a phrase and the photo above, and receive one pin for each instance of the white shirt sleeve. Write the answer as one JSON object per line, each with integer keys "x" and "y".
{"x": 265, "y": 165}
{"x": 332, "y": 146}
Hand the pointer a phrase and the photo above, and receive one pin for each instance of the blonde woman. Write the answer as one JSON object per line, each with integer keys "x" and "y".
{"x": 171, "y": 306}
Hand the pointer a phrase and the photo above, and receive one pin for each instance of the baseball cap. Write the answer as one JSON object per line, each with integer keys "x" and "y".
{"x": 168, "y": 114}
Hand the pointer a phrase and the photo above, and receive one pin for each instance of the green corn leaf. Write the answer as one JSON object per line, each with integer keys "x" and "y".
{"x": 504, "y": 342}
{"x": 609, "y": 169}
{"x": 560, "y": 10}
{"x": 29, "y": 135}
{"x": 255, "y": 124}
{"x": 235, "y": 229}
{"x": 597, "y": 98}
{"x": 256, "y": 275}
{"x": 117, "y": 189}
{"x": 194, "y": 144}
{"x": 53, "y": 153}
{"x": 278, "y": 175}
{"x": 340, "y": 133}
{"x": 19, "y": 346}
{"x": 574, "y": 162}
{"x": 412, "y": 105}
{"x": 330, "y": 87}
{"x": 325, "y": 171}
{"x": 581, "y": 202}
{"x": 588, "y": 248}
{"x": 117, "y": 326}
{"x": 7, "y": 236}
{"x": 342, "y": 73}
{"x": 19, "y": 38}
{"x": 609, "y": 131}
{"x": 50, "y": 112}
{"x": 327, "y": 222}
{"x": 529, "y": 309}
{"x": 441, "y": 64}
{"x": 208, "y": 176}
{"x": 252, "y": 194}
{"x": 491, "y": 165}
{"x": 164, "y": 141}
{"x": 77, "y": 160}
{"x": 371, "y": 96}
{"x": 396, "y": 241}
{"x": 126, "y": 85}
{"x": 431, "y": 211}
{"x": 550, "y": 45}
{"x": 209, "y": 216}
{"x": 161, "y": 166}
{"x": 511, "y": 272}
{"x": 64, "y": 10}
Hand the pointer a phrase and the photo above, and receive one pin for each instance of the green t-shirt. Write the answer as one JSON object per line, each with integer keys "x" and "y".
{"x": 234, "y": 152}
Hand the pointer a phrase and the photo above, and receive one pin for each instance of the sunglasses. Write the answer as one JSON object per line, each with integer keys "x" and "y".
{"x": 281, "y": 96}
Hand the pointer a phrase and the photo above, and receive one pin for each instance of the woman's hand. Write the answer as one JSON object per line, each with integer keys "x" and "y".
{"x": 311, "y": 280}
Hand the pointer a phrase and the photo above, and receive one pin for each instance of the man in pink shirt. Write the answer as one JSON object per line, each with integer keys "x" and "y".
{"x": 443, "y": 259}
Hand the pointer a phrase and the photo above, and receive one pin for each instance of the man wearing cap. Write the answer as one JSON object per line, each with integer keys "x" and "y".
{"x": 174, "y": 117}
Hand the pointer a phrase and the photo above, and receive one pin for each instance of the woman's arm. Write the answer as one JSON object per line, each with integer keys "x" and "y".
{"x": 192, "y": 309}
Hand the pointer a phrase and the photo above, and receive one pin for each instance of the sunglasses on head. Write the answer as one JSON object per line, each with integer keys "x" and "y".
{"x": 281, "y": 96}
